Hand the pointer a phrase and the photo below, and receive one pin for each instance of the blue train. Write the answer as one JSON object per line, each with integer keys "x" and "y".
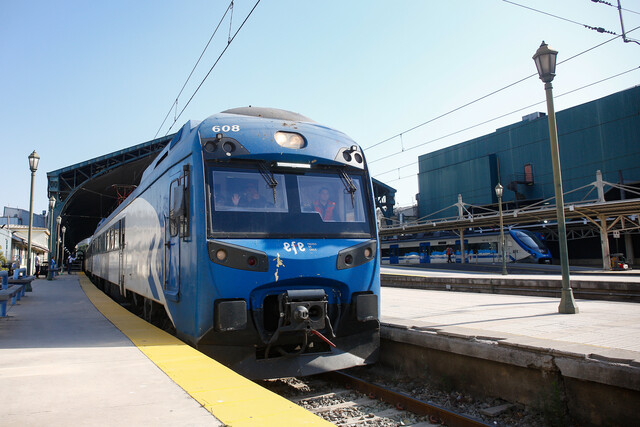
{"x": 521, "y": 246}
{"x": 254, "y": 233}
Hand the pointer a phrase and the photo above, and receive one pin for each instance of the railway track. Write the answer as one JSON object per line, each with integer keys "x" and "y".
{"x": 346, "y": 400}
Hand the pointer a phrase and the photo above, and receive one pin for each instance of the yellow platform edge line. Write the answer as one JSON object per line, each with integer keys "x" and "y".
{"x": 231, "y": 398}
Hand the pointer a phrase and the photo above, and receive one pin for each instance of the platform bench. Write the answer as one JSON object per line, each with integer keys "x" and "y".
{"x": 22, "y": 284}
{"x": 9, "y": 295}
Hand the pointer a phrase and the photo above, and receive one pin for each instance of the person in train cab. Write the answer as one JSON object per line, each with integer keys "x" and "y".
{"x": 324, "y": 205}
{"x": 250, "y": 199}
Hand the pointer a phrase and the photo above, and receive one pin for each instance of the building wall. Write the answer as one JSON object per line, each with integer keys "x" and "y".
{"x": 5, "y": 243}
{"x": 17, "y": 216}
{"x": 600, "y": 135}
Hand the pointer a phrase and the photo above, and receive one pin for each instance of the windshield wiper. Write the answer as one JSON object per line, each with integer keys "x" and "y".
{"x": 268, "y": 177}
{"x": 349, "y": 186}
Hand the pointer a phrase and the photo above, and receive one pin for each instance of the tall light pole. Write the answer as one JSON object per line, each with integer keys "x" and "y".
{"x": 52, "y": 204}
{"x": 58, "y": 221}
{"x": 64, "y": 230}
{"x": 499, "y": 190}
{"x": 545, "y": 60}
{"x": 34, "y": 159}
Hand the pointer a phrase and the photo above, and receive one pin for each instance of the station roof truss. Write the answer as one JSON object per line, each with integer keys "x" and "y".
{"x": 89, "y": 191}
{"x": 607, "y": 216}
{"x": 65, "y": 181}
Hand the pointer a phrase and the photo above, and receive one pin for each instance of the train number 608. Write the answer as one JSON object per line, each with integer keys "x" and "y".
{"x": 226, "y": 128}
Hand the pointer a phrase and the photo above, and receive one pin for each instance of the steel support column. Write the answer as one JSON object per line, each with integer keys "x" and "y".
{"x": 604, "y": 242}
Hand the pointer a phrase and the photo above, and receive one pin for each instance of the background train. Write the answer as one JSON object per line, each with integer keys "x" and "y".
{"x": 521, "y": 246}
{"x": 254, "y": 233}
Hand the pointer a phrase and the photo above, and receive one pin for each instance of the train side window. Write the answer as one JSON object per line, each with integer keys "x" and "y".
{"x": 122, "y": 233}
{"x": 176, "y": 209}
{"x": 179, "y": 205}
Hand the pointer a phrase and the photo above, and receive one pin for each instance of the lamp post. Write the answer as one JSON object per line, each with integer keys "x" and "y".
{"x": 58, "y": 221}
{"x": 34, "y": 159}
{"x": 499, "y": 190}
{"x": 52, "y": 204}
{"x": 545, "y": 59}
{"x": 64, "y": 230}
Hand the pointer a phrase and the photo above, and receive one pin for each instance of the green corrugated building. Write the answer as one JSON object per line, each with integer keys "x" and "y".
{"x": 600, "y": 135}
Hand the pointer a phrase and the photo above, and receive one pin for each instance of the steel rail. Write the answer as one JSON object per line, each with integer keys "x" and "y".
{"x": 402, "y": 401}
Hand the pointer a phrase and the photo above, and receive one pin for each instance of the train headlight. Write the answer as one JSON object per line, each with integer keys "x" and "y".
{"x": 368, "y": 252}
{"x": 221, "y": 254}
{"x": 356, "y": 255}
{"x": 290, "y": 140}
{"x": 239, "y": 257}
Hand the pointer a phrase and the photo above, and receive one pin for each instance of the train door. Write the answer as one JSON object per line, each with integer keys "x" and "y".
{"x": 393, "y": 254}
{"x": 424, "y": 252}
{"x": 176, "y": 232}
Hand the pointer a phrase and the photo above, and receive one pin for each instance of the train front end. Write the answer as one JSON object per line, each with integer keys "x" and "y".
{"x": 292, "y": 248}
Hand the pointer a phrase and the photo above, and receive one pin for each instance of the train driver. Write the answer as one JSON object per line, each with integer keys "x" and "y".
{"x": 325, "y": 206}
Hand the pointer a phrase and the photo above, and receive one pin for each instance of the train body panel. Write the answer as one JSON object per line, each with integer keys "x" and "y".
{"x": 230, "y": 233}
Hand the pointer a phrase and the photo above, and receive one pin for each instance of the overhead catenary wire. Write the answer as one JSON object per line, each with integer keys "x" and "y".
{"x": 404, "y": 150}
{"x": 229, "y": 41}
{"x": 214, "y": 65}
{"x": 489, "y": 94}
{"x": 614, "y": 6}
{"x": 598, "y": 29}
{"x": 478, "y": 124}
{"x": 174, "y": 106}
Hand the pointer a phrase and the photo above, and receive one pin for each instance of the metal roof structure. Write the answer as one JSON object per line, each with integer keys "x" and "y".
{"x": 90, "y": 190}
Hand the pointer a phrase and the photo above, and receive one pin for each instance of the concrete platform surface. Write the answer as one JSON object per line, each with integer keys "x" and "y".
{"x": 62, "y": 363}
{"x": 605, "y": 329}
{"x": 442, "y": 270}
{"x": 69, "y": 355}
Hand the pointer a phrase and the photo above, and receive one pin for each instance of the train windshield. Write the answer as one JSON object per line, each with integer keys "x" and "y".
{"x": 255, "y": 202}
{"x": 530, "y": 239}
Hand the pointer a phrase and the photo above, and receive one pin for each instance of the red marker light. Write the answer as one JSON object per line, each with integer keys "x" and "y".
{"x": 251, "y": 261}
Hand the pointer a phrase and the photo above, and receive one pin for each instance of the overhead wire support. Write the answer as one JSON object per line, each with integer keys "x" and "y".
{"x": 624, "y": 35}
{"x": 175, "y": 103}
{"x": 214, "y": 65}
{"x": 230, "y": 23}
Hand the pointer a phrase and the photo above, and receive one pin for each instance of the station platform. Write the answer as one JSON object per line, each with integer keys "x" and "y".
{"x": 519, "y": 346}
{"x": 69, "y": 355}
{"x": 522, "y": 279}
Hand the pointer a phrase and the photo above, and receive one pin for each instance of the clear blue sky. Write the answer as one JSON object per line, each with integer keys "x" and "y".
{"x": 80, "y": 79}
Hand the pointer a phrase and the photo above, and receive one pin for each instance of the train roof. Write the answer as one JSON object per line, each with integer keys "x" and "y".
{"x": 269, "y": 113}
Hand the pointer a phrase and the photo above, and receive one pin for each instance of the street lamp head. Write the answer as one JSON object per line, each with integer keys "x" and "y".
{"x": 545, "y": 59}
{"x": 52, "y": 203}
{"x": 58, "y": 220}
{"x": 64, "y": 229}
{"x": 499, "y": 189}
{"x": 34, "y": 159}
